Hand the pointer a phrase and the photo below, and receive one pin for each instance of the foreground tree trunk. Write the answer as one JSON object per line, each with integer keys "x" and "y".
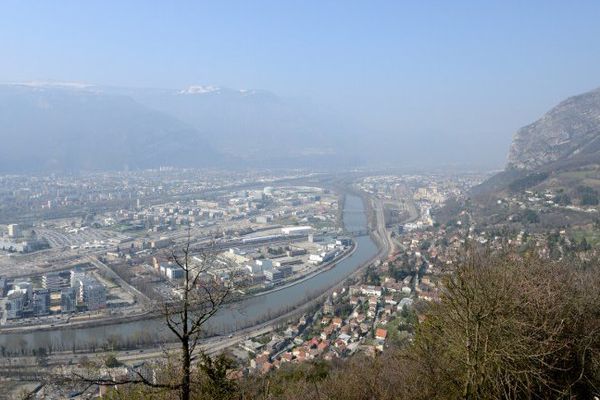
{"x": 202, "y": 295}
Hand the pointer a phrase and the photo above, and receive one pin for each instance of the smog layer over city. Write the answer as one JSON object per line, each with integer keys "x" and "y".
{"x": 299, "y": 200}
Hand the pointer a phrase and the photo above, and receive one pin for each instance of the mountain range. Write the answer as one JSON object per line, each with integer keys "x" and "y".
{"x": 74, "y": 127}
{"x": 71, "y": 127}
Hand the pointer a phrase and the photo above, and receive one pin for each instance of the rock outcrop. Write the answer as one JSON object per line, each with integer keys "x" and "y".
{"x": 570, "y": 130}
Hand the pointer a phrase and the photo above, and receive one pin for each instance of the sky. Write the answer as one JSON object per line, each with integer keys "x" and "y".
{"x": 472, "y": 71}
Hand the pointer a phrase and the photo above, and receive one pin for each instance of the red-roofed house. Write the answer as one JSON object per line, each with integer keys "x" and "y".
{"x": 380, "y": 334}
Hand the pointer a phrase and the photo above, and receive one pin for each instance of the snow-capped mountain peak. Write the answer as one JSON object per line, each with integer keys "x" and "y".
{"x": 200, "y": 89}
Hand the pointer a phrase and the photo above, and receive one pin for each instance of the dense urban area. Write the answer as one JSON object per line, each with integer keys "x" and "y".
{"x": 299, "y": 200}
{"x": 87, "y": 251}
{"x": 80, "y": 251}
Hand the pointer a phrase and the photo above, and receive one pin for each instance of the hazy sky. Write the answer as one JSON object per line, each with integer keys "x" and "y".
{"x": 437, "y": 69}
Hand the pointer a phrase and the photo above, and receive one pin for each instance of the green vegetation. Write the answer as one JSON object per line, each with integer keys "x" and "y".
{"x": 111, "y": 361}
{"x": 587, "y": 196}
{"x": 343, "y": 310}
{"x": 41, "y": 357}
{"x": 528, "y": 181}
{"x": 591, "y": 236}
{"x": 562, "y": 199}
{"x": 425, "y": 245}
{"x": 371, "y": 277}
{"x": 530, "y": 216}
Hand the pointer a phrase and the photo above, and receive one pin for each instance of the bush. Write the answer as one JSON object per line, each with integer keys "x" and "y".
{"x": 505, "y": 327}
{"x": 587, "y": 196}
{"x": 530, "y": 216}
{"x": 528, "y": 181}
{"x": 111, "y": 361}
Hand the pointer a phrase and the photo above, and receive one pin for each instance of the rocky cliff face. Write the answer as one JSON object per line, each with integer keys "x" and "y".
{"x": 568, "y": 131}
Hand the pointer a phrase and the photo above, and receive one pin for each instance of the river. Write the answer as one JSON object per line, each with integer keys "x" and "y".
{"x": 235, "y": 316}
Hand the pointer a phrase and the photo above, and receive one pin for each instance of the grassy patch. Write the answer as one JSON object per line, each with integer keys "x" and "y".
{"x": 592, "y": 236}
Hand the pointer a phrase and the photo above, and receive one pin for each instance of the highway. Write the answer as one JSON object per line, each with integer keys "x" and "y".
{"x": 381, "y": 231}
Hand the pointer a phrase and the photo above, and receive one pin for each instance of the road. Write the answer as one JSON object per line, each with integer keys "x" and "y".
{"x": 382, "y": 233}
{"x": 141, "y": 298}
{"x": 216, "y": 344}
{"x": 404, "y": 196}
{"x": 211, "y": 346}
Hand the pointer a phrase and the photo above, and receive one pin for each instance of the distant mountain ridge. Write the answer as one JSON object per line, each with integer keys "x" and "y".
{"x": 56, "y": 126}
{"x": 255, "y": 125}
{"x": 70, "y": 128}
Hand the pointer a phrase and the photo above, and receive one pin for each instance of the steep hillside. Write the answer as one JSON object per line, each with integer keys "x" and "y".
{"x": 552, "y": 175}
{"x": 569, "y": 132}
{"x": 561, "y": 150}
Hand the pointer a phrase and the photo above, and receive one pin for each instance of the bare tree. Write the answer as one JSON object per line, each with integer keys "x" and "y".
{"x": 201, "y": 294}
{"x": 511, "y": 327}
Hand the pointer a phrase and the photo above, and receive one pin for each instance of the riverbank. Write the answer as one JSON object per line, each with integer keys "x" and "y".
{"x": 116, "y": 320}
{"x": 326, "y": 267}
{"x": 267, "y": 308}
